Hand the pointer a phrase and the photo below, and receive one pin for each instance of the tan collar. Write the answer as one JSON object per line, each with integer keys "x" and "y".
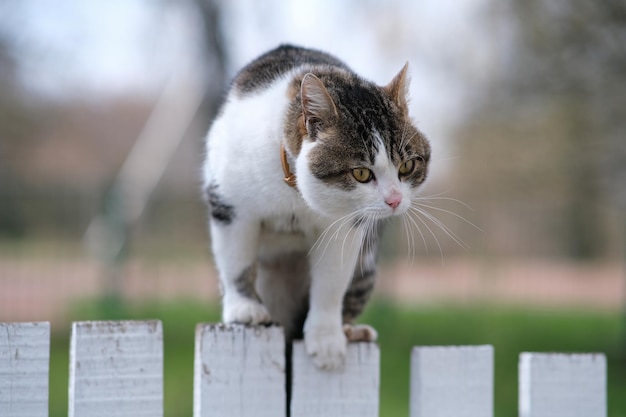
{"x": 290, "y": 177}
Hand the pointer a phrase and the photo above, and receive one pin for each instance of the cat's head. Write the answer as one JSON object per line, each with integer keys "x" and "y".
{"x": 359, "y": 150}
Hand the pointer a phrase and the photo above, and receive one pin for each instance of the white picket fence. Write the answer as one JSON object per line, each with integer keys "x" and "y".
{"x": 116, "y": 369}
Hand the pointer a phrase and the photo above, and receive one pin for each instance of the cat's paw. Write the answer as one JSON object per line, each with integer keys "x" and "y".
{"x": 360, "y": 333}
{"x": 326, "y": 345}
{"x": 245, "y": 311}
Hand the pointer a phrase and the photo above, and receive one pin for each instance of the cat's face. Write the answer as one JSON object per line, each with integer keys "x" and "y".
{"x": 337, "y": 180}
{"x": 362, "y": 155}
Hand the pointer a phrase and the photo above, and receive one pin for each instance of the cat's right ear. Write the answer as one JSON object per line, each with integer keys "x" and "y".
{"x": 398, "y": 88}
{"x": 318, "y": 107}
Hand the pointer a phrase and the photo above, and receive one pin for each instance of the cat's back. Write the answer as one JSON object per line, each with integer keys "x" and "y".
{"x": 263, "y": 71}
{"x": 249, "y": 127}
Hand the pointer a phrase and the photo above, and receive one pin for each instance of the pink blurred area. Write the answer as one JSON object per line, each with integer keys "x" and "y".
{"x": 47, "y": 289}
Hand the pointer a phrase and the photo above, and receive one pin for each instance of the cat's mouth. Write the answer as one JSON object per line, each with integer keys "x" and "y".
{"x": 383, "y": 213}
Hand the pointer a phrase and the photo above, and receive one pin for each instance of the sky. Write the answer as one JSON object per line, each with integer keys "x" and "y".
{"x": 132, "y": 46}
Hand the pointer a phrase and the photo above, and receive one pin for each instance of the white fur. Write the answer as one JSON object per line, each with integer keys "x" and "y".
{"x": 244, "y": 160}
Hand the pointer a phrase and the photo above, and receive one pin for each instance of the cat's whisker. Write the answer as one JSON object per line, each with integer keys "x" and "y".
{"x": 408, "y": 237}
{"x": 458, "y": 216}
{"x": 418, "y": 216}
{"x": 371, "y": 237}
{"x": 327, "y": 236}
{"x": 367, "y": 223}
{"x": 412, "y": 219}
{"x": 320, "y": 239}
{"x": 322, "y": 236}
{"x": 409, "y": 221}
{"x": 345, "y": 237}
{"x": 363, "y": 224}
{"x": 441, "y": 225}
{"x": 423, "y": 209}
{"x": 410, "y": 242}
{"x": 437, "y": 197}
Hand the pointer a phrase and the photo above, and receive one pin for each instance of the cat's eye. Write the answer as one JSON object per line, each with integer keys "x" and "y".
{"x": 407, "y": 167}
{"x": 362, "y": 174}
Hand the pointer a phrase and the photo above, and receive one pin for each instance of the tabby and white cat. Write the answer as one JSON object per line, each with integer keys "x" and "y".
{"x": 295, "y": 241}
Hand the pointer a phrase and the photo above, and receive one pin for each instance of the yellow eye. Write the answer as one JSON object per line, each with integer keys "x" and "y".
{"x": 362, "y": 174}
{"x": 407, "y": 167}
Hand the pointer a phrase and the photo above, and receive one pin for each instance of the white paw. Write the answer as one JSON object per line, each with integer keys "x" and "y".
{"x": 360, "y": 333}
{"x": 245, "y": 311}
{"x": 326, "y": 345}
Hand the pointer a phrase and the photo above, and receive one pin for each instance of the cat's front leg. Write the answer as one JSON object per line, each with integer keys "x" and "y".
{"x": 235, "y": 248}
{"x": 332, "y": 266}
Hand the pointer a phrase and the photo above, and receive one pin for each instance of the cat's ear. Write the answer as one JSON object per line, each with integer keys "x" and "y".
{"x": 318, "y": 107}
{"x": 398, "y": 88}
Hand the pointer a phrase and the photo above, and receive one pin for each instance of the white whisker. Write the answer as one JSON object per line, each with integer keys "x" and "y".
{"x": 327, "y": 236}
{"x": 368, "y": 238}
{"x": 448, "y": 212}
{"x": 419, "y": 230}
{"x": 442, "y": 226}
{"x": 437, "y": 197}
{"x": 410, "y": 242}
{"x": 343, "y": 244}
{"x": 418, "y": 213}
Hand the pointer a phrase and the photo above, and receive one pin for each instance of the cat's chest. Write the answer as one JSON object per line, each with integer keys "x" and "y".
{"x": 290, "y": 232}
{"x": 283, "y": 224}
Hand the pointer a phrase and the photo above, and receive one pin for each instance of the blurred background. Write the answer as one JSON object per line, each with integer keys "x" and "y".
{"x": 103, "y": 111}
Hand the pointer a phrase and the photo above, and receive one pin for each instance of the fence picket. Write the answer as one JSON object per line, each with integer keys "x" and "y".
{"x": 239, "y": 371}
{"x": 452, "y": 381}
{"x": 24, "y": 362}
{"x": 559, "y": 385}
{"x": 350, "y": 391}
{"x": 116, "y": 369}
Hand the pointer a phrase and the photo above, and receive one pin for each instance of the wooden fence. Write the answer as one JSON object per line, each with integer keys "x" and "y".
{"x": 116, "y": 369}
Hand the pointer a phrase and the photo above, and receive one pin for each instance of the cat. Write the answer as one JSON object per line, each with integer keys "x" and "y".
{"x": 305, "y": 160}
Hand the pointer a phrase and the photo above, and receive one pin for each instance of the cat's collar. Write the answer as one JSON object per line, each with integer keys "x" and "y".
{"x": 290, "y": 177}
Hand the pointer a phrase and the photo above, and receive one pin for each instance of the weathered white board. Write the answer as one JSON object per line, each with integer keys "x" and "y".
{"x": 562, "y": 385}
{"x": 239, "y": 371}
{"x": 350, "y": 391}
{"x": 116, "y": 369}
{"x": 452, "y": 381}
{"x": 24, "y": 362}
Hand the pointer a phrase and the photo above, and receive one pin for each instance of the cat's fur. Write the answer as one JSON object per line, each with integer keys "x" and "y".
{"x": 305, "y": 257}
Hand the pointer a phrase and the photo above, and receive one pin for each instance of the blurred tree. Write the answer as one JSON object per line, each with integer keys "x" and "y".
{"x": 576, "y": 53}
{"x": 549, "y": 129}
{"x": 109, "y": 233}
{"x": 16, "y": 126}
{"x": 214, "y": 50}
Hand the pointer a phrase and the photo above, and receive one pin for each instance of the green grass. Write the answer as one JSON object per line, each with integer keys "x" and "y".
{"x": 510, "y": 330}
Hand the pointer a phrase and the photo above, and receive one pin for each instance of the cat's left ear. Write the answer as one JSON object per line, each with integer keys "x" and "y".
{"x": 318, "y": 107}
{"x": 398, "y": 88}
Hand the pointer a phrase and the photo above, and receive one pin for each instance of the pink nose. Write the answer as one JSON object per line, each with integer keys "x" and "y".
{"x": 394, "y": 200}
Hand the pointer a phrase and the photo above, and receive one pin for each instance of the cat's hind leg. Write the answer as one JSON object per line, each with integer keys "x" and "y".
{"x": 360, "y": 333}
{"x": 235, "y": 248}
{"x": 357, "y": 296}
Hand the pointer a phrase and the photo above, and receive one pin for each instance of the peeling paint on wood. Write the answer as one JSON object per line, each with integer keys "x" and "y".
{"x": 350, "y": 391}
{"x": 24, "y": 363}
{"x": 239, "y": 371}
{"x": 116, "y": 369}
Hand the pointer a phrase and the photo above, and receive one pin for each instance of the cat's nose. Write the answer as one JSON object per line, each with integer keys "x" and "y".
{"x": 394, "y": 200}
